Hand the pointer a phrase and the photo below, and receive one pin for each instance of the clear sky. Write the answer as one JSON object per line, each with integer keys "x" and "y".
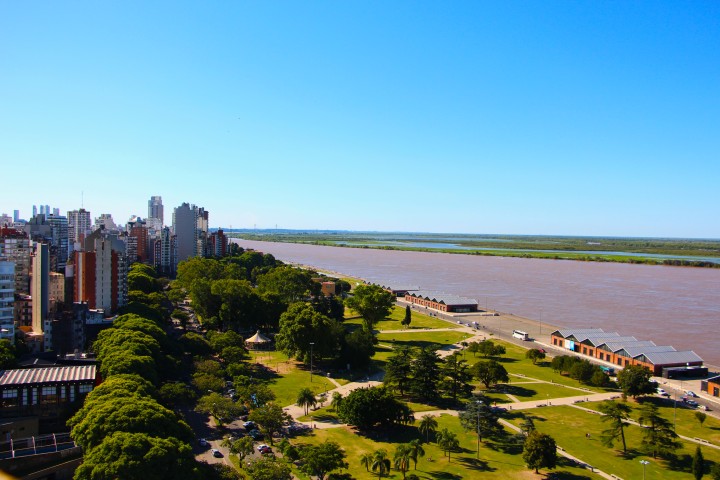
{"x": 532, "y": 117}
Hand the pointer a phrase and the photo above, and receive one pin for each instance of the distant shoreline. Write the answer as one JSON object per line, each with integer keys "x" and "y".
{"x": 663, "y": 257}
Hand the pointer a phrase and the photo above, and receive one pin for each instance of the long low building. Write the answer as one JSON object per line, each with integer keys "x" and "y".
{"x": 623, "y": 351}
{"x": 442, "y": 302}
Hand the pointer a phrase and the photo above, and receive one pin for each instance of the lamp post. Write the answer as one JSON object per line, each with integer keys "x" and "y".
{"x": 478, "y": 403}
{"x": 644, "y": 462}
{"x": 311, "y": 360}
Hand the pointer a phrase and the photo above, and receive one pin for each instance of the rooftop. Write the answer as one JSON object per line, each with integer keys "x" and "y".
{"x": 32, "y": 376}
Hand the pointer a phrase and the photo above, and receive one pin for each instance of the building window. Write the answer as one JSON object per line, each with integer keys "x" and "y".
{"x": 86, "y": 388}
{"x": 48, "y": 395}
{"x": 10, "y": 397}
{"x": 34, "y": 399}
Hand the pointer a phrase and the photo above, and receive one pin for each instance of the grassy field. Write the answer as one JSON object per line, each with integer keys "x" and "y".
{"x": 419, "y": 320}
{"x": 686, "y": 423}
{"x": 422, "y": 339}
{"x": 569, "y": 427}
{"x": 531, "y": 391}
{"x": 287, "y": 377}
{"x": 496, "y": 461}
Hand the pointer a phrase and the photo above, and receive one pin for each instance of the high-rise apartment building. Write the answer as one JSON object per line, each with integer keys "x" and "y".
{"x": 217, "y": 244}
{"x": 100, "y": 274}
{"x": 165, "y": 253}
{"x": 7, "y": 299}
{"x": 185, "y": 228}
{"x": 15, "y": 247}
{"x": 16, "y": 216}
{"x": 40, "y": 290}
{"x": 79, "y": 226}
{"x": 59, "y": 240}
{"x": 105, "y": 221}
{"x": 155, "y": 209}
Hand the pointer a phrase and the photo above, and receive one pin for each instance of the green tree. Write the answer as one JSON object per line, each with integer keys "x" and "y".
{"x": 289, "y": 283}
{"x": 357, "y": 348}
{"x": 402, "y": 457}
{"x": 527, "y": 426}
{"x": 428, "y": 425}
{"x": 131, "y": 414}
{"x": 698, "y": 464}
{"x": 268, "y": 468}
{"x": 319, "y": 460}
{"x": 447, "y": 441}
{"x": 270, "y": 418}
{"x": 425, "y": 374}
{"x": 700, "y": 417}
{"x": 455, "y": 377}
{"x": 306, "y": 399}
{"x": 715, "y": 471}
{"x": 658, "y": 435}
{"x": 416, "y": 450}
{"x": 535, "y": 354}
{"x": 375, "y": 406}
{"x": 336, "y": 400}
{"x": 242, "y": 447}
{"x": 490, "y": 372}
{"x": 380, "y": 463}
{"x": 408, "y": 317}
{"x": 137, "y": 456}
{"x": 617, "y": 414}
{"x": 219, "y": 406}
{"x": 372, "y": 303}
{"x": 487, "y": 348}
{"x": 540, "y": 451}
{"x": 398, "y": 370}
{"x": 238, "y": 303}
{"x": 175, "y": 395}
{"x": 478, "y": 417}
{"x": 634, "y": 381}
{"x": 300, "y": 326}
{"x": 366, "y": 460}
{"x": 182, "y": 317}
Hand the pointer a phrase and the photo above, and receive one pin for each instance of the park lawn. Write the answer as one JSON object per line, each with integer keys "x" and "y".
{"x": 686, "y": 423}
{"x": 534, "y": 391}
{"x": 292, "y": 379}
{"x": 321, "y": 414}
{"x": 569, "y": 427}
{"x": 422, "y": 338}
{"x": 419, "y": 320}
{"x": 493, "y": 462}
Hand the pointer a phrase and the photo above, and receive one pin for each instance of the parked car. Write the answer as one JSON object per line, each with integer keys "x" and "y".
{"x": 250, "y": 425}
{"x": 216, "y": 453}
{"x": 692, "y": 403}
{"x": 662, "y": 392}
{"x": 255, "y": 434}
{"x": 264, "y": 449}
{"x": 203, "y": 442}
{"x": 690, "y": 393}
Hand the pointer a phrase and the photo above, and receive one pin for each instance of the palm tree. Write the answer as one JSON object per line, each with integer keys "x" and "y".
{"x": 447, "y": 441}
{"x": 403, "y": 454}
{"x": 380, "y": 462}
{"x": 366, "y": 460}
{"x": 428, "y": 425}
{"x": 336, "y": 400}
{"x": 616, "y": 413}
{"x": 306, "y": 399}
{"x": 416, "y": 450}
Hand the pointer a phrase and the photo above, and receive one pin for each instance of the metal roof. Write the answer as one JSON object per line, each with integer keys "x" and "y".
{"x": 634, "y": 351}
{"x": 445, "y": 298}
{"x": 603, "y": 336}
{"x": 28, "y": 376}
{"x": 615, "y": 346}
{"x": 668, "y": 358}
{"x": 599, "y": 340}
{"x": 567, "y": 332}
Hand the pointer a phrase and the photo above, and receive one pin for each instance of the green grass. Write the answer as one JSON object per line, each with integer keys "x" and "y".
{"x": 286, "y": 378}
{"x": 494, "y": 462}
{"x": 533, "y": 391}
{"x": 422, "y": 338}
{"x": 419, "y": 320}
{"x": 686, "y": 423}
{"x": 569, "y": 426}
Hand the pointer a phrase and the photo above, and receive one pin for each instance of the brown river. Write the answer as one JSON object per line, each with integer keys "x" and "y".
{"x": 678, "y": 306}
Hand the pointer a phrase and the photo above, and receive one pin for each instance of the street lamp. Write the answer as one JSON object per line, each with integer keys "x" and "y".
{"x": 477, "y": 426}
{"x": 644, "y": 462}
{"x": 311, "y": 360}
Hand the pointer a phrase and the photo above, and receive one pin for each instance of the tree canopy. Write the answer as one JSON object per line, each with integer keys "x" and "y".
{"x": 372, "y": 303}
{"x": 374, "y": 406}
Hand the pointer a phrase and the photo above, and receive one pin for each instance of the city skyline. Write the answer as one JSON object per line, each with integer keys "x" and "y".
{"x": 475, "y": 117}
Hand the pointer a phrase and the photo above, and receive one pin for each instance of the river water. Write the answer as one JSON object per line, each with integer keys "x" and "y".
{"x": 678, "y": 306}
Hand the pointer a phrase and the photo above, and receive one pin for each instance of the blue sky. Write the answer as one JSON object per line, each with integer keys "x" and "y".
{"x": 552, "y": 117}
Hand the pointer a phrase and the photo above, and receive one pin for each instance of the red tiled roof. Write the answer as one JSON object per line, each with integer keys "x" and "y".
{"x": 32, "y": 376}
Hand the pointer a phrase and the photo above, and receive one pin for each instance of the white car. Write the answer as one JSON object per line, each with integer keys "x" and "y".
{"x": 690, "y": 393}
{"x": 662, "y": 392}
